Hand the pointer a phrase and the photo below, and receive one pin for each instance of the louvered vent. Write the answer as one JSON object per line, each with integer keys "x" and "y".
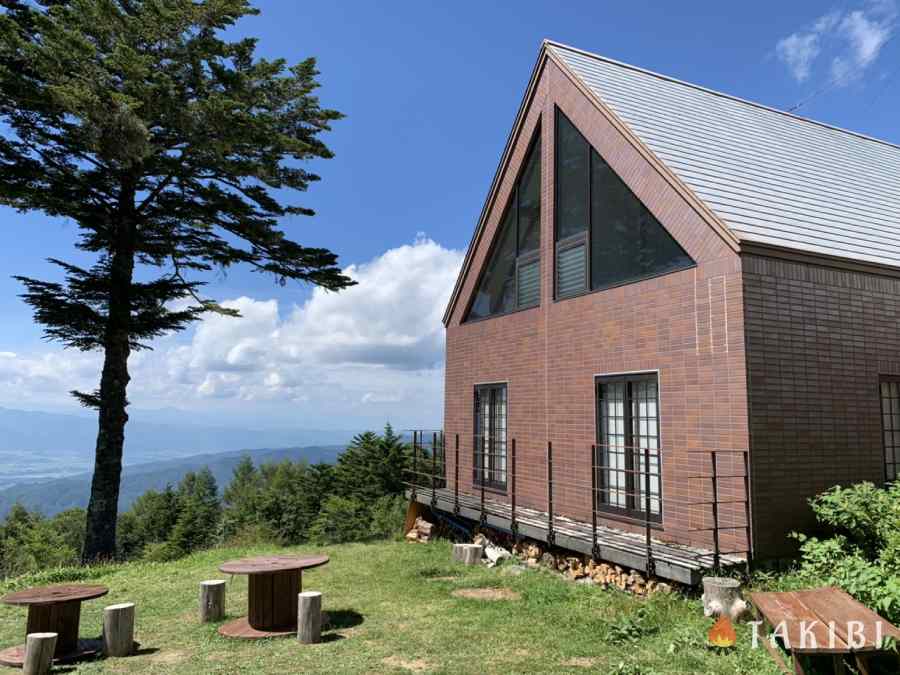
{"x": 529, "y": 284}
{"x": 571, "y": 270}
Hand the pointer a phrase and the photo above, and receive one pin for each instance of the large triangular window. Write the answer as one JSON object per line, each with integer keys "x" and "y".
{"x": 512, "y": 278}
{"x": 605, "y": 236}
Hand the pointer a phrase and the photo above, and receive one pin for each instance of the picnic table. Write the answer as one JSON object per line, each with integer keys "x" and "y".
{"x": 273, "y": 585}
{"x": 54, "y": 609}
{"x": 817, "y": 610}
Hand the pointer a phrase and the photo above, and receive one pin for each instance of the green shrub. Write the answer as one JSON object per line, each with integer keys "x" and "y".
{"x": 340, "y": 520}
{"x": 862, "y": 553}
{"x": 388, "y": 515}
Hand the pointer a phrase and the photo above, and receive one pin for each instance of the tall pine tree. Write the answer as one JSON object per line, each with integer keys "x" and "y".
{"x": 165, "y": 144}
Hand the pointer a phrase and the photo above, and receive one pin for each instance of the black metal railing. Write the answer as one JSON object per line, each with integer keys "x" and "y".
{"x": 624, "y": 485}
{"x": 428, "y": 464}
{"x": 716, "y": 502}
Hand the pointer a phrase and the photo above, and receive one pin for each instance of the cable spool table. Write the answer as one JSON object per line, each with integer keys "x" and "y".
{"x": 54, "y": 609}
{"x": 273, "y": 583}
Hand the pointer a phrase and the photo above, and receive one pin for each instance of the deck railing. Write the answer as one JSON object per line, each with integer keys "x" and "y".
{"x": 626, "y": 484}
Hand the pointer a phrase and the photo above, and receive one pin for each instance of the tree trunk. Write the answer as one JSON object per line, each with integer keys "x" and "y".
{"x": 100, "y": 535}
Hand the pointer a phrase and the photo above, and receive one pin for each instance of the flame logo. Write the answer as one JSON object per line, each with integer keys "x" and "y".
{"x": 722, "y": 633}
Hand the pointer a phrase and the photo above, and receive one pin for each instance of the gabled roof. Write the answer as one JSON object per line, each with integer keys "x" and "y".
{"x": 773, "y": 178}
{"x": 768, "y": 178}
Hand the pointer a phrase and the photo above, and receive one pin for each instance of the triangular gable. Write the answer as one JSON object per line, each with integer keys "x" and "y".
{"x": 527, "y": 120}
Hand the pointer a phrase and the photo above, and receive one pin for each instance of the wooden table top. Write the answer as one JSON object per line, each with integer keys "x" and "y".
{"x": 817, "y": 607}
{"x": 271, "y": 564}
{"x": 50, "y": 595}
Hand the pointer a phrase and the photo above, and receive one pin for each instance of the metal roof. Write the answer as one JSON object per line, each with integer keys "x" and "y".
{"x": 773, "y": 178}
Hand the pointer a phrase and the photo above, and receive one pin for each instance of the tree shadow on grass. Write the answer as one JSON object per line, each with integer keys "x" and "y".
{"x": 340, "y": 619}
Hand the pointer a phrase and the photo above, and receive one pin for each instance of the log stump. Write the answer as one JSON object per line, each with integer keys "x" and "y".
{"x": 309, "y": 617}
{"x": 118, "y": 629}
{"x": 212, "y": 600}
{"x": 39, "y": 648}
{"x": 468, "y": 554}
{"x": 722, "y": 595}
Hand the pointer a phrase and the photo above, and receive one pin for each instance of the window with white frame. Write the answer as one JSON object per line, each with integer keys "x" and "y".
{"x": 490, "y": 436}
{"x": 628, "y": 461}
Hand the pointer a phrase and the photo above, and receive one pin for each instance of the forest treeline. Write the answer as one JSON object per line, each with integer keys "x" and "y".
{"x": 358, "y": 497}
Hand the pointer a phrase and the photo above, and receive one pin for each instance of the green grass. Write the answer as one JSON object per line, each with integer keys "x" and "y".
{"x": 397, "y": 614}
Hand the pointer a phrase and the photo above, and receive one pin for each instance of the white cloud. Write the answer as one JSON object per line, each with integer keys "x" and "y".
{"x": 798, "y": 51}
{"x": 374, "y": 349}
{"x": 853, "y": 41}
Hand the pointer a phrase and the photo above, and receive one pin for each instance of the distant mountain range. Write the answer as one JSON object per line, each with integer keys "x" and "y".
{"x": 52, "y": 496}
{"x": 37, "y": 446}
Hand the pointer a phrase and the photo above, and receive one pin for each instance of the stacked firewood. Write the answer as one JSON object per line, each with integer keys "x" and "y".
{"x": 585, "y": 570}
{"x": 421, "y": 531}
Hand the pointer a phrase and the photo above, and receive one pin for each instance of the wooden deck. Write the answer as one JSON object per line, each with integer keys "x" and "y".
{"x": 684, "y": 564}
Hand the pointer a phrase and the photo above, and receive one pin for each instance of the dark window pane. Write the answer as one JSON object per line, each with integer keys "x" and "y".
{"x": 627, "y": 241}
{"x": 530, "y": 202}
{"x": 572, "y": 179}
{"x": 497, "y": 290}
{"x": 496, "y": 293}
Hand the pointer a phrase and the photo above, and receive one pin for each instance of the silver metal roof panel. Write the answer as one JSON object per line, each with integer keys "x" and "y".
{"x": 771, "y": 177}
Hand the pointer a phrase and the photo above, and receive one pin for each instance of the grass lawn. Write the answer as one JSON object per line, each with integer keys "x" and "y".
{"x": 396, "y": 614}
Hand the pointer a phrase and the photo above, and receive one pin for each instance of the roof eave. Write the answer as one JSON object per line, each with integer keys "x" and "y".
{"x": 495, "y": 183}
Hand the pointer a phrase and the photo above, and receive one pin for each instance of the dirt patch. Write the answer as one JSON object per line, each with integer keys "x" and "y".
{"x": 413, "y": 666}
{"x": 442, "y": 578}
{"x": 168, "y": 657}
{"x": 486, "y": 594}
{"x": 580, "y": 662}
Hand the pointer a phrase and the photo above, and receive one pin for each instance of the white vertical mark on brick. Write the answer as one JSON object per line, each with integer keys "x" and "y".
{"x": 696, "y": 320}
{"x": 725, "y": 303}
{"x": 709, "y": 325}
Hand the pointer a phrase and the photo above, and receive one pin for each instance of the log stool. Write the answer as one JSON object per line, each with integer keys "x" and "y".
{"x": 39, "y": 648}
{"x": 212, "y": 600}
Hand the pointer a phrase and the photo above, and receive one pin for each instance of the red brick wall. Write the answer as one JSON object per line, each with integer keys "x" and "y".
{"x": 817, "y": 340}
{"x": 687, "y": 325}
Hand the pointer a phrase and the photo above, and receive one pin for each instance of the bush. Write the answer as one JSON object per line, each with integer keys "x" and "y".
{"x": 340, "y": 520}
{"x": 388, "y": 515}
{"x": 862, "y": 553}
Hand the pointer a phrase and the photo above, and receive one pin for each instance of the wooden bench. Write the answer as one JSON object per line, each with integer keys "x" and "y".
{"x": 817, "y": 610}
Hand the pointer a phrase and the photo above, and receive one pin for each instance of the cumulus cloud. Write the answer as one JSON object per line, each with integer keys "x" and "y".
{"x": 852, "y": 41}
{"x": 798, "y": 51}
{"x": 378, "y": 345}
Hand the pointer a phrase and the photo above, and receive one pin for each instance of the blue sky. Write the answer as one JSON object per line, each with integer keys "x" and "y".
{"x": 430, "y": 91}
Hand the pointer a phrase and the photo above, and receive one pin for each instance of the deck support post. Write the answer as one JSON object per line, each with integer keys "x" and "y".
{"x": 650, "y": 566}
{"x": 595, "y": 547}
{"x": 551, "y": 535}
{"x": 415, "y": 465}
{"x": 746, "y": 459}
{"x": 513, "y": 525}
{"x": 482, "y": 519}
{"x": 456, "y": 477}
{"x": 433, "y": 468}
{"x": 715, "y": 510}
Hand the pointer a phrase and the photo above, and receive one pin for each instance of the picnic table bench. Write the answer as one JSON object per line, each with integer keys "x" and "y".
{"x": 821, "y": 621}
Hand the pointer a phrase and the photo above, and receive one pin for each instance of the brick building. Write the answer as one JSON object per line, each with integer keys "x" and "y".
{"x": 681, "y": 309}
